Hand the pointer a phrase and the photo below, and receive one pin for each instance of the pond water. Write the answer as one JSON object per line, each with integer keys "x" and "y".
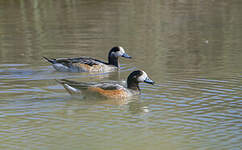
{"x": 191, "y": 49}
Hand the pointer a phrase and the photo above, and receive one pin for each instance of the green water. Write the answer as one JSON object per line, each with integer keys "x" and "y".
{"x": 191, "y": 49}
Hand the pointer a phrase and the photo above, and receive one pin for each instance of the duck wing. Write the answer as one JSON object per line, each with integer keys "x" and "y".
{"x": 69, "y": 61}
{"x": 106, "y": 90}
{"x": 109, "y": 86}
{"x": 74, "y": 84}
{"x": 85, "y": 86}
{"x": 86, "y": 60}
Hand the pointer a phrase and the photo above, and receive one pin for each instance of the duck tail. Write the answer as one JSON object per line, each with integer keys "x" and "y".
{"x": 70, "y": 89}
{"x": 49, "y": 60}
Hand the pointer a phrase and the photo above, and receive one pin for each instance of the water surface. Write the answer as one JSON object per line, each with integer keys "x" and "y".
{"x": 192, "y": 49}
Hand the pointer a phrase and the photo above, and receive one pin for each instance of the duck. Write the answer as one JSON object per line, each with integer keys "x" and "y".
{"x": 88, "y": 64}
{"x": 108, "y": 90}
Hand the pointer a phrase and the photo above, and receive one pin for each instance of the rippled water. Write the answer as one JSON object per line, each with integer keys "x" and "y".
{"x": 192, "y": 49}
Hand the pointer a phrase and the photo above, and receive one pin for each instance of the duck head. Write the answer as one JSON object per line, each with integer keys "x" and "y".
{"x": 115, "y": 53}
{"x": 136, "y": 77}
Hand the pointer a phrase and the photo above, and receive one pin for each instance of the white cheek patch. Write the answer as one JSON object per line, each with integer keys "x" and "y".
{"x": 121, "y": 49}
{"x": 142, "y": 77}
{"x": 115, "y": 54}
{"x": 118, "y": 53}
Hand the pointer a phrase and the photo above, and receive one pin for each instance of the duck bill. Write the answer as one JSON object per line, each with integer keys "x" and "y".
{"x": 149, "y": 81}
{"x": 125, "y": 55}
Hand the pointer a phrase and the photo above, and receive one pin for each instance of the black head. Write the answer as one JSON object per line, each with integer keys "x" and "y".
{"x": 136, "y": 77}
{"x": 114, "y": 53}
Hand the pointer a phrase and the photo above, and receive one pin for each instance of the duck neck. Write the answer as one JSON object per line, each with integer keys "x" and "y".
{"x": 112, "y": 60}
{"x": 134, "y": 85}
